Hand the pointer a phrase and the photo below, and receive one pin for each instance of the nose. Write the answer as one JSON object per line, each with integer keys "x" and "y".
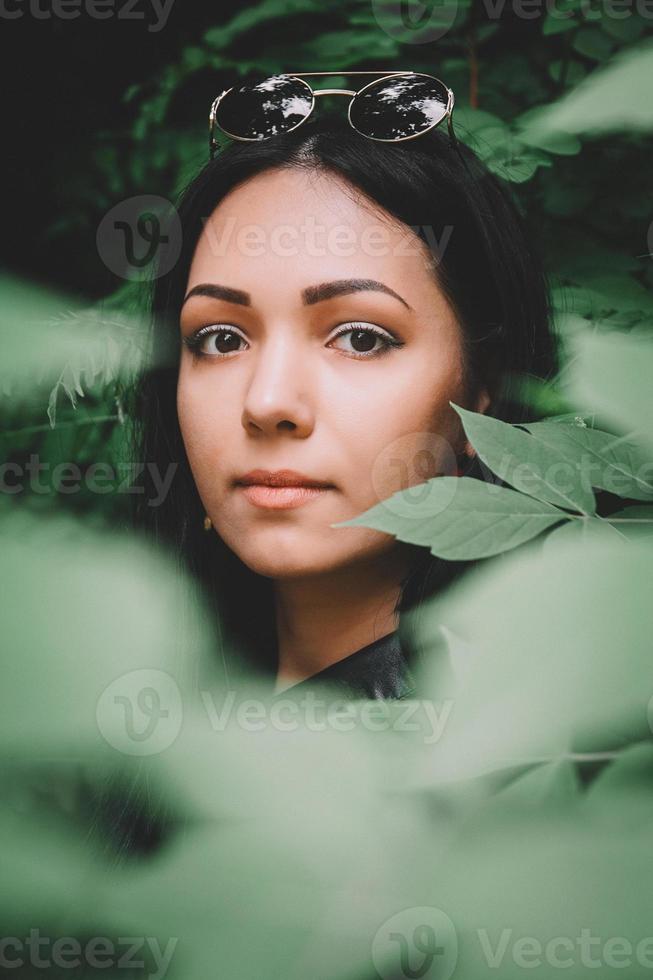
{"x": 277, "y": 395}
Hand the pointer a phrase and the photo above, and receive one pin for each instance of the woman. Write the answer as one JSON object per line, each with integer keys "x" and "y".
{"x": 333, "y": 295}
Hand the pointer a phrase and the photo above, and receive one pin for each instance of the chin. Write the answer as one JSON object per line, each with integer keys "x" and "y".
{"x": 280, "y": 562}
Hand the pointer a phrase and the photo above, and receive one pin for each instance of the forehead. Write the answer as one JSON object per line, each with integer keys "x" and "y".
{"x": 289, "y": 228}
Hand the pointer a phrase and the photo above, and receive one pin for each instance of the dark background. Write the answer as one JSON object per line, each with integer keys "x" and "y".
{"x": 63, "y": 81}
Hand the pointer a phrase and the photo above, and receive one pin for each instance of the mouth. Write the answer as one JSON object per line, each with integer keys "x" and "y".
{"x": 280, "y": 489}
{"x": 280, "y": 498}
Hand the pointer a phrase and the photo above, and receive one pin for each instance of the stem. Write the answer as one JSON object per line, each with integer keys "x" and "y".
{"x": 29, "y": 429}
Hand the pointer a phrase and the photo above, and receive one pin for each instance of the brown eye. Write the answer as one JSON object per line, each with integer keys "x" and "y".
{"x": 214, "y": 341}
{"x": 363, "y": 340}
{"x": 223, "y": 342}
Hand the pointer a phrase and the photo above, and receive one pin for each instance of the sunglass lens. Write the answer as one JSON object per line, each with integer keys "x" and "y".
{"x": 275, "y": 105}
{"x": 395, "y": 108}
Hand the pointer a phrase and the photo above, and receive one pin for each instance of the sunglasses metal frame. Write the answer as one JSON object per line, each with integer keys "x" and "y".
{"x": 448, "y": 115}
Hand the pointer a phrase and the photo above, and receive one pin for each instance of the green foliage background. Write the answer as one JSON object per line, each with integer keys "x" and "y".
{"x": 584, "y": 182}
{"x": 285, "y": 853}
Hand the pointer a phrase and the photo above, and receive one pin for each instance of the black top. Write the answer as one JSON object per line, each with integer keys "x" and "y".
{"x": 379, "y": 670}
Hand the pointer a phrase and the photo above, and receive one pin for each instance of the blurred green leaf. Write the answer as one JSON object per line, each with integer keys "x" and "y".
{"x": 593, "y": 43}
{"x": 612, "y": 374}
{"x": 608, "y": 100}
{"x": 634, "y": 522}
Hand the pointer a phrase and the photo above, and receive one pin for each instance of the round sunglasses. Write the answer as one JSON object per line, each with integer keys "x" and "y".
{"x": 399, "y": 106}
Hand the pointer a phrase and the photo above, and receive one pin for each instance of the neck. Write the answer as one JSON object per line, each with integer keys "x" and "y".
{"x": 323, "y": 618}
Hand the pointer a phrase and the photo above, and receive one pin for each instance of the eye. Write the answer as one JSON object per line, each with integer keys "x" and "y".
{"x": 214, "y": 340}
{"x": 364, "y": 338}
{"x": 221, "y": 340}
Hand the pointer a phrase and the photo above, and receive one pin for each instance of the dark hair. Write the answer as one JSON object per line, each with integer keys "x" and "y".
{"x": 489, "y": 271}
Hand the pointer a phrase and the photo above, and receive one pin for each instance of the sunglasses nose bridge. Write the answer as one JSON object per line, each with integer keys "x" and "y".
{"x": 334, "y": 91}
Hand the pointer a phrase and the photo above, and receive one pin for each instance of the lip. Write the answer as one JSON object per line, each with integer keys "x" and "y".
{"x": 280, "y": 498}
{"x": 281, "y": 478}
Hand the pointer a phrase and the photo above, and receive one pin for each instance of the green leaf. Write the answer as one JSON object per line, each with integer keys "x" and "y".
{"x": 609, "y": 462}
{"x": 52, "y": 405}
{"x": 621, "y": 292}
{"x": 635, "y": 521}
{"x": 612, "y": 374}
{"x": 582, "y": 530}
{"x": 511, "y": 159}
{"x": 349, "y": 48}
{"x": 627, "y": 29}
{"x": 540, "y": 396}
{"x": 130, "y": 92}
{"x": 472, "y": 121}
{"x": 460, "y": 518}
{"x": 562, "y": 649}
{"x": 609, "y": 100}
{"x": 557, "y": 25}
{"x": 593, "y": 43}
{"x": 623, "y": 788}
{"x": 551, "y": 783}
{"x": 563, "y": 144}
{"x": 68, "y": 388}
{"x": 527, "y": 464}
{"x": 258, "y": 15}
{"x": 574, "y": 71}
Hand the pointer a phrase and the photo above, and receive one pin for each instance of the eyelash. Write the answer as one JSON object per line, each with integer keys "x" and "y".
{"x": 194, "y": 342}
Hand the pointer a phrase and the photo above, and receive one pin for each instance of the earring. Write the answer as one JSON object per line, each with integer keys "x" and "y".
{"x": 208, "y": 523}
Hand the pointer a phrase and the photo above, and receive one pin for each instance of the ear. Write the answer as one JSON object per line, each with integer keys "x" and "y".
{"x": 482, "y": 401}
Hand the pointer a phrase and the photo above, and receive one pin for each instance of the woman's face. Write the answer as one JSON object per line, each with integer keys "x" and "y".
{"x": 295, "y": 369}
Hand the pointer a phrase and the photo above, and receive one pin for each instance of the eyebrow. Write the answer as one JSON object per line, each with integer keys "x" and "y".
{"x": 310, "y": 295}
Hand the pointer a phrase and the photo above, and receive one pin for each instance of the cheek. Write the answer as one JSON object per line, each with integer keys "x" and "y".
{"x": 204, "y": 430}
{"x": 191, "y": 420}
{"x": 405, "y": 437}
